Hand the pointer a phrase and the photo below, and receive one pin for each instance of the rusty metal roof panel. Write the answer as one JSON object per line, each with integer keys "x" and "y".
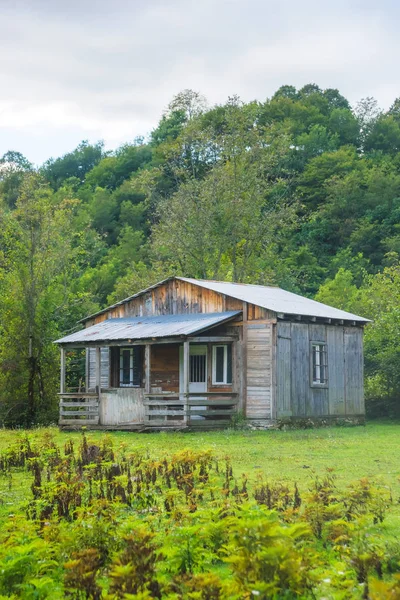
{"x": 144, "y": 328}
{"x": 275, "y": 299}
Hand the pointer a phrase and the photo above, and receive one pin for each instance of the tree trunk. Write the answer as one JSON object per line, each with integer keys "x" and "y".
{"x": 31, "y": 412}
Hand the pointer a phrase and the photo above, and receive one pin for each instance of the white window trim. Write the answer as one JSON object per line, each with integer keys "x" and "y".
{"x": 214, "y": 365}
{"x": 313, "y": 383}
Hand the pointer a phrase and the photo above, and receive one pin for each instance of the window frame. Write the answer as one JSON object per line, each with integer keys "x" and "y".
{"x": 324, "y": 354}
{"x": 133, "y": 352}
{"x": 225, "y": 365}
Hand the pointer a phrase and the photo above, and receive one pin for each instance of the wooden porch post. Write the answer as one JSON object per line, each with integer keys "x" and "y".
{"x": 147, "y": 363}
{"x": 62, "y": 374}
{"x": 98, "y": 371}
{"x": 186, "y": 377}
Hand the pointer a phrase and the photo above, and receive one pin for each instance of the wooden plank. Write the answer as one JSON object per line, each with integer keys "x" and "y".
{"x": 78, "y": 404}
{"x": 164, "y": 371}
{"x": 122, "y": 405}
{"x": 243, "y": 389}
{"x": 225, "y": 394}
{"x": 317, "y": 332}
{"x": 300, "y": 369}
{"x": 78, "y": 413}
{"x": 164, "y": 412}
{"x": 63, "y": 368}
{"x": 318, "y": 405}
{"x": 165, "y": 424}
{"x": 336, "y": 377}
{"x": 79, "y": 395}
{"x": 199, "y": 423}
{"x": 283, "y": 370}
{"x": 80, "y": 422}
{"x": 104, "y": 368}
{"x": 186, "y": 367}
{"x": 259, "y": 370}
{"x": 98, "y": 370}
{"x": 218, "y": 339}
{"x": 214, "y": 402}
{"x": 353, "y": 369}
{"x": 212, "y": 413}
{"x": 147, "y": 368}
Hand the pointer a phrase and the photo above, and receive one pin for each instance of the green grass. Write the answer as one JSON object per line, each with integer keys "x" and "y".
{"x": 301, "y": 456}
{"x": 293, "y": 456}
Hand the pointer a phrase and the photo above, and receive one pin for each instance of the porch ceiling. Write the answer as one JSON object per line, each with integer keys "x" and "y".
{"x": 146, "y": 328}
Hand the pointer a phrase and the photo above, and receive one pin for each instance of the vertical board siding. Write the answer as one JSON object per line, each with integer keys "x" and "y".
{"x": 122, "y": 406}
{"x": 318, "y": 401}
{"x": 336, "y": 388}
{"x": 317, "y": 332}
{"x": 318, "y": 404}
{"x": 259, "y": 371}
{"x": 353, "y": 370}
{"x": 164, "y": 367}
{"x": 105, "y": 367}
{"x": 179, "y": 297}
{"x": 344, "y": 394}
{"x": 283, "y": 371}
{"x": 300, "y": 369}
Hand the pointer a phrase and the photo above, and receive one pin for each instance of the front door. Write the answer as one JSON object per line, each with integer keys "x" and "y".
{"x": 197, "y": 372}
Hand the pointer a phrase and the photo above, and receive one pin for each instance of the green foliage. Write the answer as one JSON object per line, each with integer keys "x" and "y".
{"x": 75, "y": 164}
{"x": 299, "y": 190}
{"x": 105, "y": 522}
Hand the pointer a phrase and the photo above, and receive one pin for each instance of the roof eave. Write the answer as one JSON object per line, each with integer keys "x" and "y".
{"x": 140, "y": 341}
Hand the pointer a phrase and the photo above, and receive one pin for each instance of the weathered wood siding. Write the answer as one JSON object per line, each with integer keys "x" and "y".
{"x": 164, "y": 367}
{"x": 177, "y": 297}
{"x": 353, "y": 370}
{"x": 259, "y": 370}
{"x": 121, "y": 406}
{"x": 105, "y": 367}
{"x": 336, "y": 371}
{"x": 283, "y": 366}
{"x": 295, "y": 395}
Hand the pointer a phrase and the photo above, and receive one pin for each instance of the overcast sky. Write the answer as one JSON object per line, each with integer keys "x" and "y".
{"x": 73, "y": 70}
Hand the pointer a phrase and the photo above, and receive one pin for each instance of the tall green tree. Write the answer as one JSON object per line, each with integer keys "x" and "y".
{"x": 38, "y": 260}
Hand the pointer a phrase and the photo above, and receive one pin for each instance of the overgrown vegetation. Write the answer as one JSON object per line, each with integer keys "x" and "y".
{"x": 106, "y": 521}
{"x": 300, "y": 190}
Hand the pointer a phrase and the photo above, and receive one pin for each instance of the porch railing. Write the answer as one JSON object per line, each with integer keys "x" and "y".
{"x": 195, "y": 410}
{"x": 79, "y": 408}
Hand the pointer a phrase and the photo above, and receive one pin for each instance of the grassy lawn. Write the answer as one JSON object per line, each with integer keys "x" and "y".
{"x": 292, "y": 456}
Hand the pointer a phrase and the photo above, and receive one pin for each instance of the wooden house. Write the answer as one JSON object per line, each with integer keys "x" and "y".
{"x": 195, "y": 353}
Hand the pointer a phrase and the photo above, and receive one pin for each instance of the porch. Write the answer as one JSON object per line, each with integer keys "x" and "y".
{"x": 175, "y": 382}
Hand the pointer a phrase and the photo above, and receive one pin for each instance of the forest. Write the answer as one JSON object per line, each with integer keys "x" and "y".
{"x": 301, "y": 190}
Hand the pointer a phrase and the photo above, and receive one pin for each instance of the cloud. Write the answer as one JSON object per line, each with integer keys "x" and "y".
{"x": 107, "y": 70}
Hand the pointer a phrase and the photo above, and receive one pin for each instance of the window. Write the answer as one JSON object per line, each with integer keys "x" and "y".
{"x": 222, "y": 364}
{"x": 319, "y": 365}
{"x": 130, "y": 367}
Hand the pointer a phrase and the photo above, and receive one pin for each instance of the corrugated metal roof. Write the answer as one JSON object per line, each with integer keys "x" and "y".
{"x": 269, "y": 297}
{"x": 275, "y": 299}
{"x": 141, "y": 328}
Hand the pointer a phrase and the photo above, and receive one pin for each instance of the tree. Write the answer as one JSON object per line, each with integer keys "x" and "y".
{"x": 219, "y": 226}
{"x": 190, "y": 103}
{"x": 35, "y": 303}
{"x": 384, "y": 135}
{"x": 286, "y": 91}
{"x": 73, "y": 164}
{"x": 367, "y": 113}
{"x": 13, "y": 167}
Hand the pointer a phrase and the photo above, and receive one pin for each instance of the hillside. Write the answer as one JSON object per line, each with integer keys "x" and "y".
{"x": 300, "y": 190}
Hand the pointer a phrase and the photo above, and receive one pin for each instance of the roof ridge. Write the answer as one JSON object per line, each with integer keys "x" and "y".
{"x": 275, "y": 287}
